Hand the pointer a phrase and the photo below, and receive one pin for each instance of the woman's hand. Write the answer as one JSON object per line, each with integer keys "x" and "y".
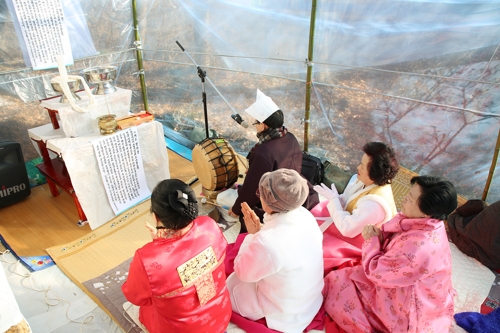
{"x": 370, "y": 231}
{"x": 329, "y": 194}
{"x": 152, "y": 230}
{"x": 251, "y": 219}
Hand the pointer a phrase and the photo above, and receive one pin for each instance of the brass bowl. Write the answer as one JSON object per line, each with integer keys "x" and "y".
{"x": 102, "y": 77}
{"x": 107, "y": 124}
{"x": 74, "y": 85}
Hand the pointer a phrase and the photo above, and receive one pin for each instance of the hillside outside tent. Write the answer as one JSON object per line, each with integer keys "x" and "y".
{"x": 421, "y": 76}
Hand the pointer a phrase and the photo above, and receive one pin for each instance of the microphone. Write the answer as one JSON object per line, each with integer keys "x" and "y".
{"x": 180, "y": 46}
{"x": 239, "y": 120}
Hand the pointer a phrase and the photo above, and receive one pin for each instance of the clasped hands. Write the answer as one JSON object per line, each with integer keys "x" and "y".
{"x": 371, "y": 230}
{"x": 152, "y": 230}
{"x": 329, "y": 194}
{"x": 252, "y": 221}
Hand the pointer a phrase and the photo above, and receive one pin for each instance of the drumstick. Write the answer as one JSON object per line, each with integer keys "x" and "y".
{"x": 242, "y": 161}
{"x": 204, "y": 201}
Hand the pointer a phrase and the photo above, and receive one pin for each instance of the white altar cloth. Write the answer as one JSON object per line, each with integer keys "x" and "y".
{"x": 76, "y": 123}
{"x": 81, "y": 163}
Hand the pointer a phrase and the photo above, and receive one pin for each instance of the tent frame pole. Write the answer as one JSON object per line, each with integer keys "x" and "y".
{"x": 138, "y": 47}
{"x": 492, "y": 168}
{"x": 309, "y": 61}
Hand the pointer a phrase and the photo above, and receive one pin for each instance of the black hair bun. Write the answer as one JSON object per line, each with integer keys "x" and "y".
{"x": 184, "y": 203}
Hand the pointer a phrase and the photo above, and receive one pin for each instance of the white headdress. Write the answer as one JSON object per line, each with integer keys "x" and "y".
{"x": 262, "y": 108}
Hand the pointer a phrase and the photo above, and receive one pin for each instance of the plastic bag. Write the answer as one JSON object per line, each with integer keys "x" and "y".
{"x": 226, "y": 200}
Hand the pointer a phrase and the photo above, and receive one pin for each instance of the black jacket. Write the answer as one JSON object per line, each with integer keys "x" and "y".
{"x": 284, "y": 152}
{"x": 475, "y": 229}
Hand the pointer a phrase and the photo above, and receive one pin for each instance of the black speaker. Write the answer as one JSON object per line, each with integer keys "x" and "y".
{"x": 14, "y": 181}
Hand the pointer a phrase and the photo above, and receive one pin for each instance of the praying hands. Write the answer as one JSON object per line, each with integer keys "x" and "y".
{"x": 370, "y": 231}
{"x": 152, "y": 230}
{"x": 251, "y": 219}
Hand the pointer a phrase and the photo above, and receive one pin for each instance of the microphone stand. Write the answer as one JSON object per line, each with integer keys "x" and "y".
{"x": 203, "y": 75}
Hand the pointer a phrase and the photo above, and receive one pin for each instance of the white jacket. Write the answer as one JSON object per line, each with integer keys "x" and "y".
{"x": 285, "y": 262}
{"x": 370, "y": 209}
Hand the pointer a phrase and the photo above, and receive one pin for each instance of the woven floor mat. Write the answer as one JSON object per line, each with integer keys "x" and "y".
{"x": 98, "y": 263}
{"x": 401, "y": 186}
{"x": 103, "y": 251}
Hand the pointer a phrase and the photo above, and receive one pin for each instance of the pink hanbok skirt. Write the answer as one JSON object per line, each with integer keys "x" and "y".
{"x": 338, "y": 251}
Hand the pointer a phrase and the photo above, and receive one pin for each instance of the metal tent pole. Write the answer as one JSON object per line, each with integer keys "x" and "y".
{"x": 309, "y": 75}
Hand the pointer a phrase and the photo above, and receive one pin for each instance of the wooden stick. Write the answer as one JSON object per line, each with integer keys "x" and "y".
{"x": 243, "y": 161}
{"x": 492, "y": 168}
{"x": 205, "y": 201}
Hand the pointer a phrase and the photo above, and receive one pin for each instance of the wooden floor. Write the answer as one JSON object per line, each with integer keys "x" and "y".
{"x": 41, "y": 221}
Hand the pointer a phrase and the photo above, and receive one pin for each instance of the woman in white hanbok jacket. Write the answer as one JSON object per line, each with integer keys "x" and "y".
{"x": 367, "y": 199}
{"x": 278, "y": 272}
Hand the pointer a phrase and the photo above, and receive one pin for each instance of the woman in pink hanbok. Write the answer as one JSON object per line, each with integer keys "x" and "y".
{"x": 178, "y": 279}
{"x": 367, "y": 199}
{"x": 404, "y": 281}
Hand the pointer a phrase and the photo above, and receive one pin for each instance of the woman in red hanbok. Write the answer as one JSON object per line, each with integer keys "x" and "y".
{"x": 367, "y": 199}
{"x": 404, "y": 281}
{"x": 178, "y": 279}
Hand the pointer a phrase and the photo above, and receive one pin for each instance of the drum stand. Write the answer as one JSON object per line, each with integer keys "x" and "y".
{"x": 203, "y": 75}
{"x": 220, "y": 161}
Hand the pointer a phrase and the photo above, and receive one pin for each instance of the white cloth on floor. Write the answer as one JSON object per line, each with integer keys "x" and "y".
{"x": 10, "y": 314}
{"x": 471, "y": 279}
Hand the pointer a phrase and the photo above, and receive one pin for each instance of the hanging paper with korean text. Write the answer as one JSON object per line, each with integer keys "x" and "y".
{"x": 122, "y": 171}
{"x": 44, "y": 31}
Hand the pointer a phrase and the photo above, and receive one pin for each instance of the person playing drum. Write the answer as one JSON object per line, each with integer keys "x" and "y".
{"x": 277, "y": 148}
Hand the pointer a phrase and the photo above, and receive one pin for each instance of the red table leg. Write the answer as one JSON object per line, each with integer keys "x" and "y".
{"x": 53, "y": 118}
{"x": 81, "y": 214}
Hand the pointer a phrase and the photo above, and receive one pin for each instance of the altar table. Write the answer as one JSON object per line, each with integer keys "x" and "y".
{"x": 78, "y": 163}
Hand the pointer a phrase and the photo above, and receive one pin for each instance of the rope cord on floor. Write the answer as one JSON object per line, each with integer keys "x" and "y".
{"x": 50, "y": 300}
{"x": 127, "y": 316}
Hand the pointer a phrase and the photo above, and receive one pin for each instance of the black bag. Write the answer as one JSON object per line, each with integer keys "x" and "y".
{"x": 335, "y": 175}
{"x": 312, "y": 168}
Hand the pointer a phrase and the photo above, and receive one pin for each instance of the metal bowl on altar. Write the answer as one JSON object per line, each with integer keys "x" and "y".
{"x": 107, "y": 124}
{"x": 73, "y": 84}
{"x": 102, "y": 77}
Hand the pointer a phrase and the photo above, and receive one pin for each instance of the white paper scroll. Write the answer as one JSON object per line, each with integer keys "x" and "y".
{"x": 61, "y": 64}
{"x": 44, "y": 30}
{"x": 122, "y": 171}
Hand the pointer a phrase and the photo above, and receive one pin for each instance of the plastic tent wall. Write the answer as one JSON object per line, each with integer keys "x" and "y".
{"x": 421, "y": 76}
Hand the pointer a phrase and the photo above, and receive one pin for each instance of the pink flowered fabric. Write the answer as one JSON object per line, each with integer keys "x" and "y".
{"x": 402, "y": 285}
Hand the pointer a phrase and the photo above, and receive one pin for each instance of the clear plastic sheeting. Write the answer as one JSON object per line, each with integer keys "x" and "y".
{"x": 348, "y": 33}
{"x": 81, "y": 41}
{"x": 21, "y": 92}
{"x": 35, "y": 85}
{"x": 422, "y": 76}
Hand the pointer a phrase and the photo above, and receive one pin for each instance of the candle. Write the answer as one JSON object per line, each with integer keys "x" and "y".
{"x": 62, "y": 68}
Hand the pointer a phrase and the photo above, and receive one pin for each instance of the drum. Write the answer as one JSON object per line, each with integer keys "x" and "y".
{"x": 215, "y": 164}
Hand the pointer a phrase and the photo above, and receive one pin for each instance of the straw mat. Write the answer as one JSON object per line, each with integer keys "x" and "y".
{"x": 98, "y": 263}
{"x": 401, "y": 186}
{"x": 103, "y": 249}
